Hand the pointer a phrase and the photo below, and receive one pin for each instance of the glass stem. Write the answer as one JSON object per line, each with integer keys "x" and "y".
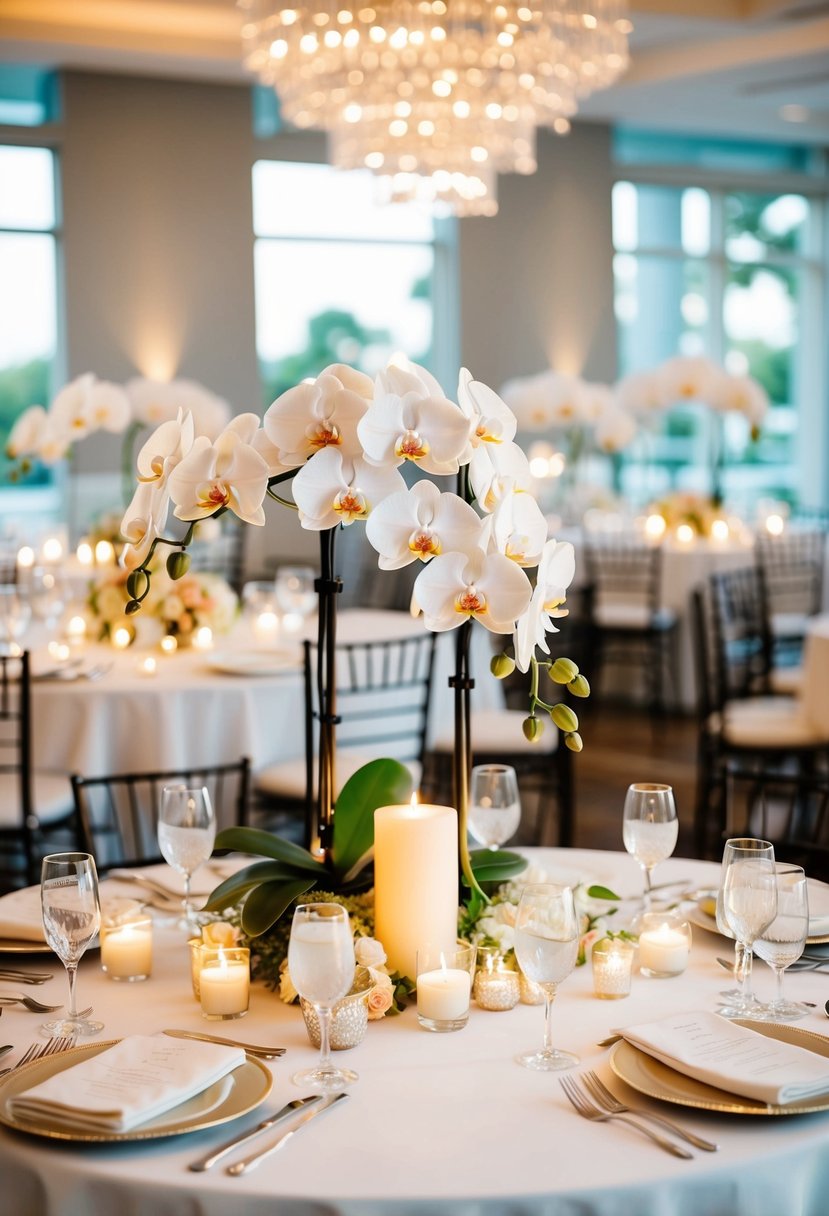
{"x": 186, "y": 900}
{"x": 778, "y": 985}
{"x": 648, "y": 888}
{"x": 324, "y": 1017}
{"x": 742, "y": 970}
{"x": 549, "y": 997}
{"x": 72, "y": 975}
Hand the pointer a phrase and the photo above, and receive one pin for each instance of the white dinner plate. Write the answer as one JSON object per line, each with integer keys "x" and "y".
{"x": 255, "y": 662}
{"x": 697, "y": 915}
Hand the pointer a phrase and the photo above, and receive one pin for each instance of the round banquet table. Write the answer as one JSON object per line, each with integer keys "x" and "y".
{"x": 815, "y": 689}
{"x": 445, "y": 1124}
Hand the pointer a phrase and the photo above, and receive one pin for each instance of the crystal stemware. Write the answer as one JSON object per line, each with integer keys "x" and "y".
{"x": 739, "y": 846}
{"x": 783, "y": 942}
{"x": 747, "y": 906}
{"x": 547, "y": 946}
{"x": 294, "y": 587}
{"x": 186, "y": 832}
{"x": 494, "y": 805}
{"x": 649, "y": 827}
{"x": 71, "y": 918}
{"x": 321, "y": 966}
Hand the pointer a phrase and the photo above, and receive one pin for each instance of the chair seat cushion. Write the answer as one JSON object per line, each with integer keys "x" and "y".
{"x": 773, "y": 723}
{"x": 791, "y": 625}
{"x": 287, "y": 780}
{"x": 620, "y": 615}
{"x": 52, "y": 796}
{"x": 500, "y": 732}
{"x": 787, "y": 681}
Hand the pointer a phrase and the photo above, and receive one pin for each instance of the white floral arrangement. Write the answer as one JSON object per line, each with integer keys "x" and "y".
{"x": 180, "y": 607}
{"x": 382, "y": 995}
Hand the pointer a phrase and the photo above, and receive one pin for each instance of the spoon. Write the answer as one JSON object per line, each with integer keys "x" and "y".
{"x": 826, "y": 1007}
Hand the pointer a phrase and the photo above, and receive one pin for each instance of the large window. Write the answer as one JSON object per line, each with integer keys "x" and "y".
{"x": 339, "y": 277}
{"x": 28, "y": 281}
{"x": 735, "y": 275}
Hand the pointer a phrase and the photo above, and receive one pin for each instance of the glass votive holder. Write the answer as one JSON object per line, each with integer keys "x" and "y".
{"x": 444, "y": 986}
{"x": 196, "y": 947}
{"x": 664, "y": 945}
{"x": 612, "y": 961}
{"x": 126, "y": 940}
{"x": 224, "y": 982}
{"x": 497, "y": 987}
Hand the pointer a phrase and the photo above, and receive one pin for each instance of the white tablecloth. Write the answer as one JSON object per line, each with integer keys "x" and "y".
{"x": 446, "y": 1124}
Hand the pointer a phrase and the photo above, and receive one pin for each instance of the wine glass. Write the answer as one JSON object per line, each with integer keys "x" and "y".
{"x": 71, "y": 918}
{"x": 321, "y": 967}
{"x": 47, "y": 594}
{"x": 749, "y": 905}
{"x": 294, "y": 587}
{"x": 737, "y": 847}
{"x": 494, "y": 806}
{"x": 782, "y": 943}
{"x": 186, "y": 831}
{"x": 649, "y": 827}
{"x": 546, "y": 946}
{"x": 15, "y": 614}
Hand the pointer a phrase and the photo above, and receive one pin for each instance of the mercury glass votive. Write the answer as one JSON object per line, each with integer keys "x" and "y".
{"x": 612, "y": 961}
{"x": 497, "y": 987}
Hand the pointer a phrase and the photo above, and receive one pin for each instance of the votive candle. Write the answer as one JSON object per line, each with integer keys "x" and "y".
{"x": 664, "y": 945}
{"x": 224, "y": 983}
{"x": 126, "y": 941}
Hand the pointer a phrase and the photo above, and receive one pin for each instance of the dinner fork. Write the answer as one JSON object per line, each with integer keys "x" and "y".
{"x": 583, "y": 1106}
{"x": 38, "y": 1051}
{"x": 25, "y": 977}
{"x": 609, "y": 1102}
{"x": 29, "y": 1002}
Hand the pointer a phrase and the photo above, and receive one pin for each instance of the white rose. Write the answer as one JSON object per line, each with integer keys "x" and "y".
{"x": 369, "y": 952}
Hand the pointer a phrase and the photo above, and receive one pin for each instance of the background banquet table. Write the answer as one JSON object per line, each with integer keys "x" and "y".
{"x": 815, "y": 690}
{"x": 444, "y": 1124}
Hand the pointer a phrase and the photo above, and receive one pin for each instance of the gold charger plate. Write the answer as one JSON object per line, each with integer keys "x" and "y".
{"x": 18, "y": 945}
{"x": 251, "y": 1084}
{"x": 657, "y": 1080}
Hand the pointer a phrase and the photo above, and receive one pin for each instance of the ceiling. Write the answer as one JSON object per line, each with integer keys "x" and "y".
{"x": 709, "y": 66}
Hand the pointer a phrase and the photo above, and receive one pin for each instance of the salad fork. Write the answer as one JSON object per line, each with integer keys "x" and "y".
{"x": 38, "y": 1051}
{"x": 29, "y": 1002}
{"x": 609, "y": 1102}
{"x": 584, "y": 1107}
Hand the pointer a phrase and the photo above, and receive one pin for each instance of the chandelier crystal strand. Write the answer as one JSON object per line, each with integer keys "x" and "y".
{"x": 436, "y": 97}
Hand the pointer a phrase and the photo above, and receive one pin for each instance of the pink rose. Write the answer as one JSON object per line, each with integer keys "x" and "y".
{"x": 380, "y": 1001}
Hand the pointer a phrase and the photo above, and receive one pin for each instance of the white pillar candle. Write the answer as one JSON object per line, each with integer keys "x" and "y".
{"x": 443, "y": 995}
{"x": 127, "y": 950}
{"x": 415, "y": 881}
{"x": 224, "y": 984}
{"x": 663, "y": 950}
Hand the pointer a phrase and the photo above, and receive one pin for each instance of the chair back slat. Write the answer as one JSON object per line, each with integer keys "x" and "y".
{"x": 791, "y": 566}
{"x": 621, "y": 571}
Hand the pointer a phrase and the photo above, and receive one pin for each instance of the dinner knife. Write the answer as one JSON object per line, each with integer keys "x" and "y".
{"x": 208, "y": 1161}
{"x": 265, "y": 1053}
{"x": 249, "y": 1163}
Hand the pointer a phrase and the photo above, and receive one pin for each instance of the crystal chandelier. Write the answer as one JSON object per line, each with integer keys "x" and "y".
{"x": 436, "y": 97}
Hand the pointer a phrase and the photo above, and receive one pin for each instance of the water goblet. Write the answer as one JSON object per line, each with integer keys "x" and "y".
{"x": 294, "y": 586}
{"x": 494, "y": 805}
{"x": 15, "y": 614}
{"x": 547, "y": 946}
{"x": 749, "y": 905}
{"x": 71, "y": 918}
{"x": 321, "y": 966}
{"x": 649, "y": 827}
{"x": 47, "y": 593}
{"x": 783, "y": 942}
{"x": 186, "y": 832}
{"x": 737, "y": 847}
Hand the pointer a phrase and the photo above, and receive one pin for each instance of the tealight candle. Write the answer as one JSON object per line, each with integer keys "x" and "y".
{"x": 126, "y": 941}
{"x": 203, "y": 638}
{"x": 655, "y": 527}
{"x": 720, "y": 531}
{"x": 104, "y": 553}
{"x": 266, "y": 628}
{"x": 59, "y": 651}
{"x": 497, "y": 987}
{"x": 664, "y": 945}
{"x": 685, "y": 534}
{"x": 52, "y": 550}
{"x": 169, "y": 644}
{"x": 84, "y": 553}
{"x": 443, "y": 991}
{"x": 25, "y": 557}
{"x": 147, "y": 666}
{"x": 775, "y": 524}
{"x": 224, "y": 982}
{"x": 121, "y": 638}
{"x": 76, "y": 629}
{"x": 612, "y": 961}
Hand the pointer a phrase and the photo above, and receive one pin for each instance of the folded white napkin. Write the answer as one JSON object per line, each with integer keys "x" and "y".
{"x": 712, "y": 1049}
{"x": 137, "y": 1079}
{"x": 818, "y": 908}
{"x": 21, "y": 916}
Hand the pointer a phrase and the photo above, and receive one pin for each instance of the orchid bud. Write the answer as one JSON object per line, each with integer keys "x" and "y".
{"x": 574, "y": 741}
{"x": 501, "y": 666}
{"x": 563, "y": 671}
{"x": 177, "y": 565}
{"x": 532, "y": 729}
{"x": 132, "y": 607}
{"x": 138, "y": 584}
{"x": 564, "y": 718}
{"x": 579, "y": 687}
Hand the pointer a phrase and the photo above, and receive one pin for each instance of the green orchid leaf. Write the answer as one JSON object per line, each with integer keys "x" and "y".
{"x": 264, "y": 844}
{"x": 599, "y": 892}
{"x": 235, "y": 888}
{"x": 378, "y": 783}
{"x": 496, "y": 866}
{"x": 264, "y": 906}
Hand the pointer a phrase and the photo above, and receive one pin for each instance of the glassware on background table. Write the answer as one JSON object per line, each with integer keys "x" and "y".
{"x": 15, "y": 614}
{"x": 71, "y": 918}
{"x": 262, "y": 611}
{"x": 295, "y": 594}
{"x": 739, "y": 846}
{"x": 321, "y": 966}
{"x": 48, "y": 593}
{"x": 649, "y": 827}
{"x": 186, "y": 832}
{"x": 494, "y": 804}
{"x": 546, "y": 946}
{"x": 747, "y": 905}
{"x": 783, "y": 942}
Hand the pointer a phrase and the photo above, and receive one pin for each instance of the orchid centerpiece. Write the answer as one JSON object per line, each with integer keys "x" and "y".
{"x": 341, "y": 441}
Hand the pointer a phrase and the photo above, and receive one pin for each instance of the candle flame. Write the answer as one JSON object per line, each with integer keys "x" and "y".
{"x": 443, "y": 963}
{"x": 414, "y": 800}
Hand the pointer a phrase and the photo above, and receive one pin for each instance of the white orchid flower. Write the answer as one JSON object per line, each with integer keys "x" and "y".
{"x": 157, "y": 401}
{"x": 142, "y": 523}
{"x": 743, "y": 395}
{"x": 249, "y": 429}
{"x": 497, "y": 471}
{"x": 333, "y": 488}
{"x": 615, "y": 430}
{"x": 400, "y": 376}
{"x": 69, "y": 411}
{"x": 320, "y": 414}
{"x": 228, "y": 473}
{"x": 486, "y": 587}
{"x": 432, "y": 432}
{"x": 550, "y": 399}
{"x": 642, "y": 393}
{"x": 518, "y": 529}
{"x": 599, "y": 400}
{"x": 107, "y": 407}
{"x": 689, "y": 378}
{"x": 419, "y": 524}
{"x": 25, "y": 435}
{"x": 492, "y": 420}
{"x": 165, "y": 449}
{"x": 555, "y": 574}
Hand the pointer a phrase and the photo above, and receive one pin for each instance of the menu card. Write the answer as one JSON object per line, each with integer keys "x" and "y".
{"x": 712, "y": 1049}
{"x": 134, "y": 1081}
